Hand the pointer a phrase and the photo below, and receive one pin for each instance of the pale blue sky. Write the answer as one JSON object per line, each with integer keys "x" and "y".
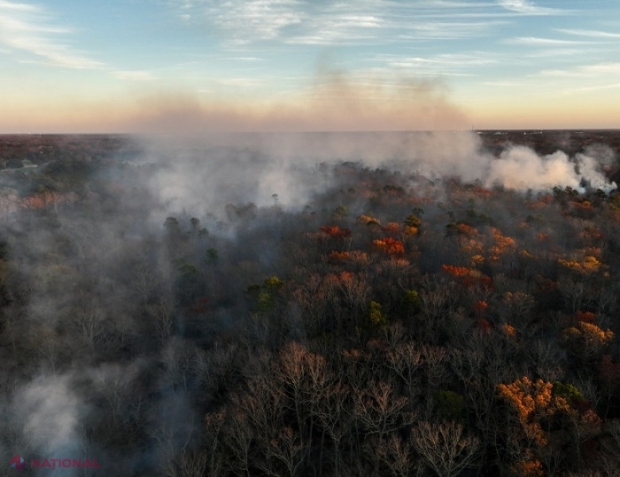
{"x": 88, "y": 66}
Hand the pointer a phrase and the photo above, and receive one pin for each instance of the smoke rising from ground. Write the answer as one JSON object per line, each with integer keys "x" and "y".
{"x": 289, "y": 169}
{"x": 521, "y": 168}
{"x": 50, "y": 414}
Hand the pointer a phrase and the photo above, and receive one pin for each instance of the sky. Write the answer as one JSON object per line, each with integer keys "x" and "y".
{"x": 295, "y": 65}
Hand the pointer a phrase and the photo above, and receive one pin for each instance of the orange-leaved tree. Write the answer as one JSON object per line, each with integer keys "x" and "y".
{"x": 389, "y": 246}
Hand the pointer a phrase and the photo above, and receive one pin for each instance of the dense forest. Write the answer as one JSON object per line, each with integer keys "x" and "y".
{"x": 322, "y": 307}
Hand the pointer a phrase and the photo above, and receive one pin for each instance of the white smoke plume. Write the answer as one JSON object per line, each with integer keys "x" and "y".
{"x": 520, "y": 168}
{"x": 204, "y": 175}
{"x": 49, "y": 414}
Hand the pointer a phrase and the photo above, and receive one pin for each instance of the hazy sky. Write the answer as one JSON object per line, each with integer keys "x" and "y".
{"x": 159, "y": 65}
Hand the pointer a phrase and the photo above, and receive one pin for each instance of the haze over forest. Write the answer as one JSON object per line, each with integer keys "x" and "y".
{"x": 311, "y": 304}
{"x": 307, "y": 238}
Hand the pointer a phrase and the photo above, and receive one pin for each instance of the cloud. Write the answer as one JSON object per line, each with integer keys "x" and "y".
{"x": 536, "y": 41}
{"x": 527, "y": 8}
{"x": 443, "y": 64}
{"x": 28, "y": 28}
{"x": 446, "y": 30}
{"x": 590, "y": 33}
{"x": 560, "y": 52}
{"x": 296, "y": 22}
{"x": 243, "y": 20}
{"x": 135, "y": 75}
{"x": 598, "y": 70}
{"x": 20, "y": 7}
{"x": 588, "y": 89}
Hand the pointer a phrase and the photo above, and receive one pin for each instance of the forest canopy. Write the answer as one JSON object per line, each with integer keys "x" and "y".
{"x": 235, "y": 310}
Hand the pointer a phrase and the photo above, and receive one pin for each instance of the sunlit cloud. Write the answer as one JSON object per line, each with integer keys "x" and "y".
{"x": 240, "y": 82}
{"x": 600, "y": 70}
{"x": 588, "y": 89}
{"x": 506, "y": 84}
{"x": 29, "y": 29}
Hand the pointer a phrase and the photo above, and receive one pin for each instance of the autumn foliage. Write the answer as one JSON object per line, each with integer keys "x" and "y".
{"x": 334, "y": 231}
{"x": 389, "y": 246}
{"x": 468, "y": 277}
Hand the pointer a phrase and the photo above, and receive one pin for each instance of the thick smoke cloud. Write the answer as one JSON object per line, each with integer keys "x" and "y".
{"x": 206, "y": 174}
{"x": 49, "y": 412}
{"x": 521, "y": 168}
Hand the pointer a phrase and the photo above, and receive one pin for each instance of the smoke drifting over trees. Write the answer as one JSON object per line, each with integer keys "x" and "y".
{"x": 253, "y": 167}
{"x": 311, "y": 304}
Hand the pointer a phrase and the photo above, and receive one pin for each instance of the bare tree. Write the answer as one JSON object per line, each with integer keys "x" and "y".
{"x": 188, "y": 464}
{"x": 380, "y": 410}
{"x": 162, "y": 317}
{"x": 214, "y": 423}
{"x": 398, "y": 456}
{"x": 291, "y": 371}
{"x": 89, "y": 324}
{"x": 546, "y": 358}
{"x": 406, "y": 361}
{"x": 332, "y": 410}
{"x": 445, "y": 448}
{"x": 239, "y": 436}
{"x": 287, "y": 449}
{"x": 46, "y": 344}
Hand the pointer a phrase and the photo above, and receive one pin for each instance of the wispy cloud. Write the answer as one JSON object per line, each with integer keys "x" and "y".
{"x": 561, "y": 52}
{"x": 243, "y": 20}
{"x": 245, "y": 58}
{"x": 506, "y": 83}
{"x": 536, "y": 41}
{"x": 433, "y": 30}
{"x": 588, "y": 89}
{"x": 338, "y": 24}
{"x": 22, "y": 7}
{"x": 29, "y": 29}
{"x": 526, "y": 7}
{"x": 599, "y": 70}
{"x": 240, "y": 82}
{"x": 441, "y": 65}
{"x": 297, "y": 22}
{"x": 591, "y": 33}
{"x": 135, "y": 75}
